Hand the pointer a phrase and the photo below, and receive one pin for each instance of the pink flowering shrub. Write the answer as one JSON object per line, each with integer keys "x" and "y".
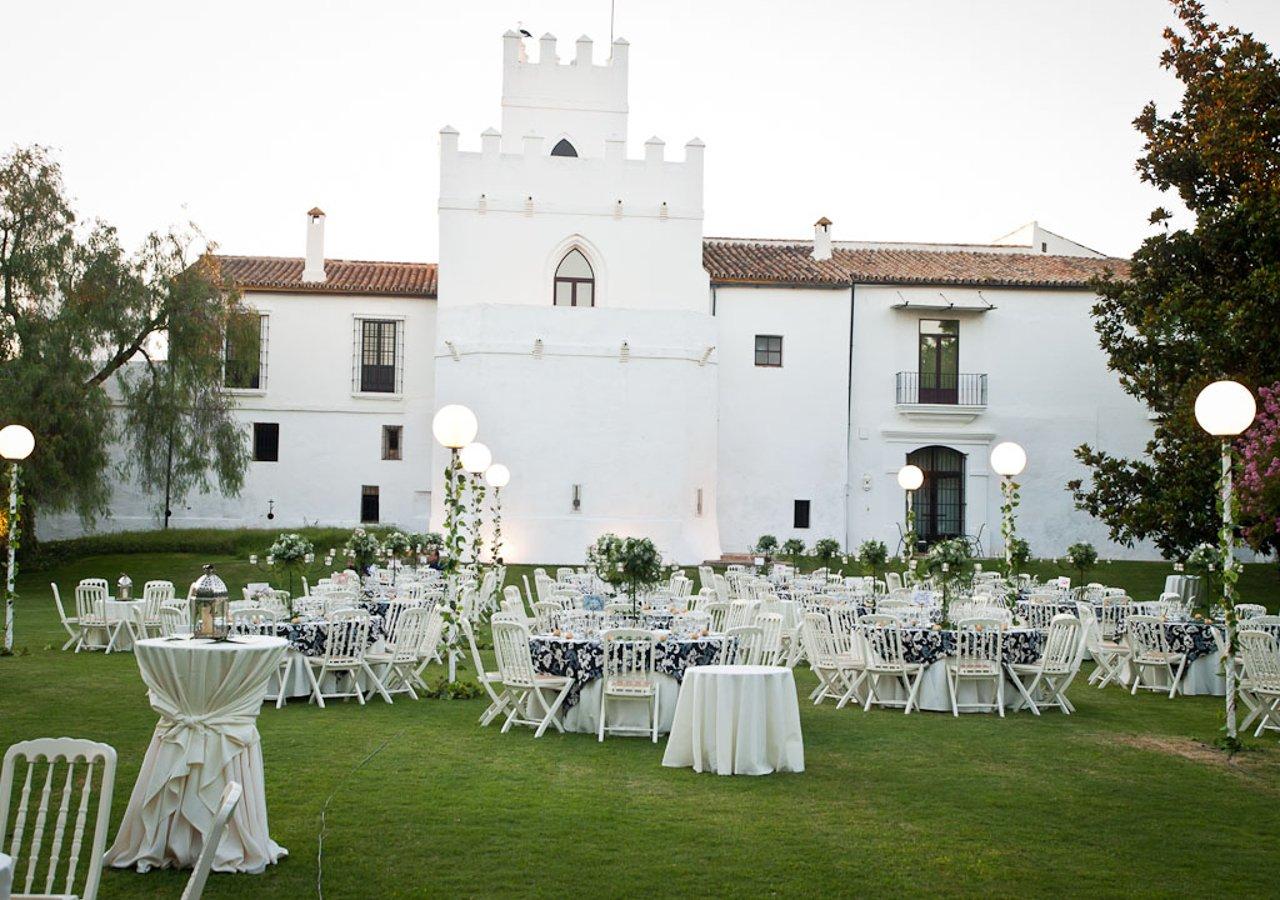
{"x": 1258, "y": 481}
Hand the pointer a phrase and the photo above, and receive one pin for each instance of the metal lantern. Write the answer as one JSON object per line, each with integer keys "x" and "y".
{"x": 210, "y": 617}
{"x": 123, "y": 587}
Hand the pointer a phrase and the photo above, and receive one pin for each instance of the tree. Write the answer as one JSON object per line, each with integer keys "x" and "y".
{"x": 1198, "y": 304}
{"x": 1259, "y": 488}
{"x": 81, "y": 318}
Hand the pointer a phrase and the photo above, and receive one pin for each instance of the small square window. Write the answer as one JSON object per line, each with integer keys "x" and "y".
{"x": 392, "y": 435}
{"x": 769, "y": 350}
{"x": 266, "y": 441}
{"x": 801, "y": 514}
{"x": 369, "y": 504}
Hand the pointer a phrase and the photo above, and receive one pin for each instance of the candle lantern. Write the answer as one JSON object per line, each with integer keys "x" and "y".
{"x": 123, "y": 587}
{"x": 209, "y": 607}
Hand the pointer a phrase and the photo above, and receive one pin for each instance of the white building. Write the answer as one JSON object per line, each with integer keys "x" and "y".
{"x": 637, "y": 377}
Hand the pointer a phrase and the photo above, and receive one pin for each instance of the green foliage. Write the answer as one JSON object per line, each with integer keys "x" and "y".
{"x": 631, "y": 562}
{"x": 441, "y": 688}
{"x": 77, "y": 312}
{"x": 793, "y": 549}
{"x": 1198, "y": 304}
{"x": 1083, "y": 556}
{"x": 826, "y": 549}
{"x": 766, "y": 545}
{"x": 397, "y": 542}
{"x": 362, "y": 548}
{"x": 873, "y": 555}
{"x": 952, "y": 553}
{"x": 1019, "y": 553}
{"x": 290, "y": 548}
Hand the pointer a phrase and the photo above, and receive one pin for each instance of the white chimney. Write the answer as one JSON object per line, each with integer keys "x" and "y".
{"x": 822, "y": 239}
{"x": 313, "y": 269}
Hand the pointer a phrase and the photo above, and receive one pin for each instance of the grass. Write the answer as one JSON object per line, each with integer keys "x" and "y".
{"x": 1123, "y": 798}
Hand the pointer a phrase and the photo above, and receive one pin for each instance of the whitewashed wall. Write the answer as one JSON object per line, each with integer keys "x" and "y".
{"x": 782, "y": 430}
{"x": 330, "y": 438}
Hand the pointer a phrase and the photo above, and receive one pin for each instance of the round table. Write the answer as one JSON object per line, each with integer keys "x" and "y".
{"x": 208, "y": 695}
{"x": 737, "y": 720}
{"x": 583, "y": 660}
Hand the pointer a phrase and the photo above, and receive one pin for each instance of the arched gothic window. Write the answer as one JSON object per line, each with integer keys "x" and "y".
{"x": 939, "y": 503}
{"x": 564, "y": 148}
{"x": 575, "y": 283}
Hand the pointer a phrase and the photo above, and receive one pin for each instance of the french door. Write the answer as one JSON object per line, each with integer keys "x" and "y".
{"x": 939, "y": 360}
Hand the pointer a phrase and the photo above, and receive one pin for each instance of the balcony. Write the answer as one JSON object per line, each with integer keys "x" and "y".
{"x": 943, "y": 396}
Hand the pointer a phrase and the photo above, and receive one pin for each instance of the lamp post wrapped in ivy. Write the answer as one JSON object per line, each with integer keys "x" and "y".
{"x": 1008, "y": 460}
{"x": 1225, "y": 409}
{"x": 497, "y": 476}
{"x": 475, "y": 458}
{"x": 909, "y": 479}
{"x": 16, "y": 444}
{"x": 454, "y": 426}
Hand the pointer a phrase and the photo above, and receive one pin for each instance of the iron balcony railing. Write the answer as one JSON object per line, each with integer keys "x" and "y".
{"x": 945, "y": 388}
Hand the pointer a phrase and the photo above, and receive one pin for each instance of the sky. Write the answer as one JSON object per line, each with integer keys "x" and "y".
{"x": 910, "y": 120}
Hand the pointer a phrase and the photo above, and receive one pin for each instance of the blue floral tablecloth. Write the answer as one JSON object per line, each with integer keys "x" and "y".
{"x": 926, "y": 646}
{"x": 1195, "y": 639}
{"x": 308, "y": 637}
{"x": 583, "y": 660}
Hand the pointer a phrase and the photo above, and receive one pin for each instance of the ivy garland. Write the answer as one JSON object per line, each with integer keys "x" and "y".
{"x": 497, "y": 526}
{"x": 454, "y": 510}
{"x": 477, "y": 519}
{"x": 15, "y": 543}
{"x": 1230, "y": 575}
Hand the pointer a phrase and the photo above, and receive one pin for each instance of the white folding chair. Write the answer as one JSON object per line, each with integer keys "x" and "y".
{"x": 1261, "y": 682}
{"x": 91, "y": 611}
{"x": 174, "y": 621}
{"x": 398, "y": 663}
{"x": 627, "y": 676}
{"x": 200, "y": 874}
{"x": 741, "y": 646}
{"x": 1149, "y": 651}
{"x": 155, "y": 594}
{"x": 345, "y": 645}
{"x": 978, "y": 658}
{"x": 70, "y": 763}
{"x": 1052, "y": 673}
{"x": 1109, "y": 657}
{"x": 1249, "y": 610}
{"x": 882, "y": 638}
{"x": 770, "y": 649}
{"x": 525, "y": 684}
{"x": 71, "y": 624}
{"x": 498, "y": 699}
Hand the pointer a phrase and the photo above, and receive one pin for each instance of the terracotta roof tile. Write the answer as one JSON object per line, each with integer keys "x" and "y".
{"x": 732, "y": 261}
{"x": 343, "y": 276}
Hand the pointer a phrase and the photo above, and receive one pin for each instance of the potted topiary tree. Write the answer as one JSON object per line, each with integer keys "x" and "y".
{"x": 1083, "y": 556}
{"x": 873, "y": 555}
{"x": 766, "y": 546}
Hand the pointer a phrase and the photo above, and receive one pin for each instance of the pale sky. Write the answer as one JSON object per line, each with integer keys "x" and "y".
{"x": 915, "y": 120}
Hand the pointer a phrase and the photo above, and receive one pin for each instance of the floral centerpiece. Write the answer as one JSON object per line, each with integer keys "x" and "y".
{"x": 631, "y": 563}
{"x": 1083, "y": 556}
{"x": 873, "y": 555}
{"x": 946, "y": 561}
{"x": 363, "y": 549}
{"x": 291, "y": 553}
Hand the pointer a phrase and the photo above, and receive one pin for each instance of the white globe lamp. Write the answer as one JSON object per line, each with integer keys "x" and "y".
{"x": 1008, "y": 459}
{"x": 475, "y": 457}
{"x": 497, "y": 476}
{"x": 454, "y": 426}
{"x": 910, "y": 478}
{"x": 1224, "y": 409}
{"x": 16, "y": 442}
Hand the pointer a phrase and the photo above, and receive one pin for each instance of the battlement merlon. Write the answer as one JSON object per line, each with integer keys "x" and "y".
{"x": 508, "y": 179}
{"x": 577, "y": 99}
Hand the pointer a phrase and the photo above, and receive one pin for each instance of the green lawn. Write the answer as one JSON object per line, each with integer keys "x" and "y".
{"x": 1123, "y": 798}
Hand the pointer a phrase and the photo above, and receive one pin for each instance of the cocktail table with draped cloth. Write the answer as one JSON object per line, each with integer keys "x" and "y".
{"x": 208, "y": 695}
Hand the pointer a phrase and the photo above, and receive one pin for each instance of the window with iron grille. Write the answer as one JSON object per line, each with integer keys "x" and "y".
{"x": 244, "y": 353}
{"x": 769, "y": 350}
{"x": 801, "y": 514}
{"x": 266, "y": 441}
{"x": 392, "y": 436}
{"x": 369, "y": 503}
{"x": 379, "y": 356}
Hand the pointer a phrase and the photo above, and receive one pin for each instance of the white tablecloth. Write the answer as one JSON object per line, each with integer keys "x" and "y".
{"x": 208, "y": 696}
{"x": 6, "y": 876}
{"x": 737, "y": 720}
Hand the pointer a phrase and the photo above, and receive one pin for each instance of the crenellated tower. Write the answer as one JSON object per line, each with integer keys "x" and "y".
{"x": 573, "y": 300}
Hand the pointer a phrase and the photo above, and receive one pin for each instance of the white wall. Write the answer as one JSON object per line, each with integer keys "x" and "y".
{"x": 782, "y": 431}
{"x": 330, "y": 439}
{"x": 639, "y": 436}
{"x": 1049, "y": 389}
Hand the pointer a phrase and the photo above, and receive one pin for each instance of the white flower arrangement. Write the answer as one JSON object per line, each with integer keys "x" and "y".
{"x": 289, "y": 549}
